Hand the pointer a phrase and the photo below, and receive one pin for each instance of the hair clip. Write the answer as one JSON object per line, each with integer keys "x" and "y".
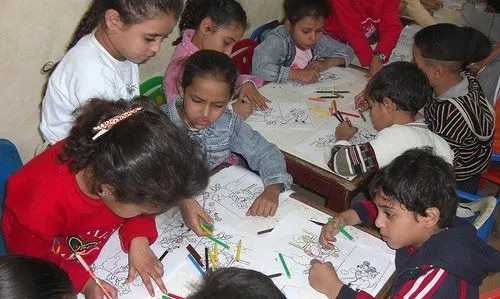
{"x": 110, "y": 123}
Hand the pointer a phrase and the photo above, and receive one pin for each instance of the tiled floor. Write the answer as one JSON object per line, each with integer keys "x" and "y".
{"x": 490, "y": 283}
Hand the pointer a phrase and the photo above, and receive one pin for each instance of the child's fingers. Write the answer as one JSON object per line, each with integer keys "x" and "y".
{"x": 147, "y": 283}
{"x": 157, "y": 278}
{"x": 112, "y": 291}
{"x": 252, "y": 210}
{"x": 273, "y": 210}
{"x": 131, "y": 274}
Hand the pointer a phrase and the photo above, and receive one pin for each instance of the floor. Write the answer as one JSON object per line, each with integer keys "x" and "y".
{"x": 489, "y": 283}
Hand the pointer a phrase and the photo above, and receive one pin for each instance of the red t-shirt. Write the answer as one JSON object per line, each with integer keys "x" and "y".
{"x": 46, "y": 215}
{"x": 357, "y": 22}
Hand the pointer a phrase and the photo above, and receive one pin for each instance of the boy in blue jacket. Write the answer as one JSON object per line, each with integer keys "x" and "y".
{"x": 414, "y": 204}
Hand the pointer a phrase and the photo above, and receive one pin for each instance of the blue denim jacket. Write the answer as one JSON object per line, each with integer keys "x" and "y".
{"x": 273, "y": 57}
{"x": 231, "y": 134}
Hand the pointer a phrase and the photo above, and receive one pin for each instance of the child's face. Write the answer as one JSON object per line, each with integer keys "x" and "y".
{"x": 399, "y": 227}
{"x": 418, "y": 59}
{"x": 222, "y": 39}
{"x": 379, "y": 115}
{"x": 140, "y": 42}
{"x": 204, "y": 101}
{"x": 306, "y": 32}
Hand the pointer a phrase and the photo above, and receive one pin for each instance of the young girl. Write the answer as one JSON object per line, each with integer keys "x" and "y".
{"x": 123, "y": 162}
{"x": 102, "y": 57}
{"x": 206, "y": 87}
{"x": 31, "y": 278}
{"x": 212, "y": 25}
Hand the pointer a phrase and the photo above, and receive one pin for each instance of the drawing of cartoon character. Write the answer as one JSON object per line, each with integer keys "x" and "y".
{"x": 364, "y": 274}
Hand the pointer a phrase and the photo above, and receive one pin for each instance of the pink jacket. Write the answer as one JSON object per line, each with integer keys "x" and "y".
{"x": 174, "y": 70}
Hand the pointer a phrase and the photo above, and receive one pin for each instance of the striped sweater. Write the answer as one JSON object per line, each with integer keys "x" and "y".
{"x": 467, "y": 123}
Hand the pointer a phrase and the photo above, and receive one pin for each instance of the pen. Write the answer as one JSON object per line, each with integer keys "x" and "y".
{"x": 92, "y": 275}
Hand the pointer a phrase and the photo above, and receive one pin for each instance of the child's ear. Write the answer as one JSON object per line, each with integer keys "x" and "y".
{"x": 438, "y": 71}
{"x": 288, "y": 25}
{"x": 207, "y": 25}
{"x": 389, "y": 105}
{"x": 432, "y": 218}
{"x": 113, "y": 21}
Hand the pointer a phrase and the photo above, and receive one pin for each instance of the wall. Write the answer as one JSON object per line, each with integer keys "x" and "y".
{"x": 34, "y": 32}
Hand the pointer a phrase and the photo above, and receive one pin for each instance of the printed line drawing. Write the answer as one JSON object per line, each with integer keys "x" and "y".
{"x": 282, "y": 115}
{"x": 363, "y": 276}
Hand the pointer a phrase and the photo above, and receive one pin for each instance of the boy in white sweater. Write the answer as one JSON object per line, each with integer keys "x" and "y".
{"x": 394, "y": 96}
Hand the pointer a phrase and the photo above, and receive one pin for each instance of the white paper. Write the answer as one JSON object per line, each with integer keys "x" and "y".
{"x": 282, "y": 115}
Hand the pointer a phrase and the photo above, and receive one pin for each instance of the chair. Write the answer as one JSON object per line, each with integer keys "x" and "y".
{"x": 493, "y": 174}
{"x": 493, "y": 294}
{"x": 242, "y": 55}
{"x": 153, "y": 89}
{"x": 484, "y": 206}
{"x": 259, "y": 34}
{"x": 9, "y": 163}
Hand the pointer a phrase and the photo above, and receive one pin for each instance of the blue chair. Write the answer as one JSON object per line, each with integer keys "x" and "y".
{"x": 482, "y": 208}
{"x": 260, "y": 32}
{"x": 9, "y": 163}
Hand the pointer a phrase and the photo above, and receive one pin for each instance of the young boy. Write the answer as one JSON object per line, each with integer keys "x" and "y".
{"x": 460, "y": 112}
{"x": 437, "y": 254}
{"x": 394, "y": 96}
{"x": 298, "y": 50}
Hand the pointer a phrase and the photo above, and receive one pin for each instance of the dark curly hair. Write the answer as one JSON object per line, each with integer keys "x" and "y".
{"x": 296, "y": 10}
{"x": 145, "y": 158}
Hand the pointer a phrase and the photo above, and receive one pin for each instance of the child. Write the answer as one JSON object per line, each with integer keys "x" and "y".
{"x": 31, "y": 278}
{"x": 298, "y": 50}
{"x": 212, "y": 25}
{"x": 364, "y": 23}
{"x": 102, "y": 57}
{"x": 437, "y": 254}
{"x": 395, "y": 95}
{"x": 237, "y": 283}
{"x": 123, "y": 162}
{"x": 206, "y": 86}
{"x": 459, "y": 113}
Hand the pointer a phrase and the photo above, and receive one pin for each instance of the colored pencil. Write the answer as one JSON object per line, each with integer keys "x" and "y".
{"x": 342, "y": 230}
{"x": 340, "y": 116}
{"x": 362, "y": 115}
{"x": 337, "y": 117}
{"x": 334, "y": 105}
{"x": 329, "y": 97}
{"x": 216, "y": 253}
{"x": 163, "y": 255}
{"x": 319, "y": 111}
{"x": 238, "y": 251}
{"x": 195, "y": 254}
{"x": 338, "y": 94}
{"x": 207, "y": 225}
{"x": 282, "y": 259}
{"x": 174, "y": 296}
{"x": 317, "y": 222}
{"x": 349, "y": 114}
{"x": 207, "y": 266}
{"x": 203, "y": 228}
{"x": 265, "y": 231}
{"x": 330, "y": 91}
{"x": 195, "y": 263}
{"x": 317, "y": 100}
{"x": 92, "y": 275}
{"x": 215, "y": 240}
{"x": 275, "y": 275}
{"x": 212, "y": 258}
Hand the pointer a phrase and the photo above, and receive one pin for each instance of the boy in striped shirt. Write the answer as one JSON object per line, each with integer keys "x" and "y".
{"x": 459, "y": 111}
{"x": 414, "y": 204}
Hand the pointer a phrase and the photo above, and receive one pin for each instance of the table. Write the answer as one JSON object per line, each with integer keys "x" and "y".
{"x": 308, "y": 168}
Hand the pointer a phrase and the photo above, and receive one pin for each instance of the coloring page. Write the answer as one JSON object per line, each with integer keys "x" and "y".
{"x": 281, "y": 115}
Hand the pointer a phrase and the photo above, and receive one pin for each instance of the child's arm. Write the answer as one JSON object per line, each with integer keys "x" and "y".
{"x": 309, "y": 74}
{"x": 248, "y": 90}
{"x": 324, "y": 279}
{"x": 329, "y": 230}
{"x": 335, "y": 52}
{"x": 266, "y": 203}
{"x": 266, "y": 61}
{"x": 389, "y": 28}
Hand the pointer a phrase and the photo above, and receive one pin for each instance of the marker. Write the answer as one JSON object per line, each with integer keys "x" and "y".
{"x": 342, "y": 230}
{"x": 330, "y": 91}
{"x": 203, "y": 228}
{"x": 317, "y": 100}
{"x": 275, "y": 275}
{"x": 92, "y": 275}
{"x": 284, "y": 265}
{"x": 337, "y": 116}
{"x": 265, "y": 231}
{"x": 195, "y": 254}
{"x": 174, "y": 296}
{"x": 334, "y": 105}
{"x": 329, "y": 97}
{"x": 212, "y": 258}
{"x": 195, "y": 263}
{"x": 216, "y": 253}
{"x": 319, "y": 112}
{"x": 218, "y": 242}
{"x": 207, "y": 266}
{"x": 349, "y": 114}
{"x": 207, "y": 225}
{"x": 317, "y": 222}
{"x": 238, "y": 251}
{"x": 163, "y": 255}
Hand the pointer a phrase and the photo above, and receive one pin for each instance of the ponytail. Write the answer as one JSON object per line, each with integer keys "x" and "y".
{"x": 89, "y": 21}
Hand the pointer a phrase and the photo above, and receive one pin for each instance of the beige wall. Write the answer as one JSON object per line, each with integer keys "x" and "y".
{"x": 34, "y": 32}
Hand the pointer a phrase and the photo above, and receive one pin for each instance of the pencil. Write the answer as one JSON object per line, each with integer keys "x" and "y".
{"x": 340, "y": 116}
{"x": 329, "y": 97}
{"x": 203, "y": 228}
{"x": 265, "y": 231}
{"x": 337, "y": 117}
{"x": 334, "y": 105}
{"x": 217, "y": 241}
{"x": 238, "y": 251}
{"x": 92, "y": 275}
{"x": 341, "y": 229}
{"x": 284, "y": 265}
{"x": 195, "y": 254}
{"x": 216, "y": 253}
{"x": 275, "y": 275}
{"x": 163, "y": 255}
{"x": 195, "y": 263}
{"x": 319, "y": 112}
{"x": 174, "y": 296}
{"x": 349, "y": 114}
{"x": 331, "y": 91}
{"x": 317, "y": 100}
{"x": 207, "y": 266}
{"x": 212, "y": 258}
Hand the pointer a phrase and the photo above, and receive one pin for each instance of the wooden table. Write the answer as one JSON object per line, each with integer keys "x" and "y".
{"x": 310, "y": 173}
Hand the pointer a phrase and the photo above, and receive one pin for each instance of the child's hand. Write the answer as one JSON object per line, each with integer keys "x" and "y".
{"x": 242, "y": 109}
{"x": 266, "y": 203}
{"x": 345, "y": 131}
{"x": 324, "y": 279}
{"x": 360, "y": 101}
{"x": 307, "y": 75}
{"x": 375, "y": 66}
{"x": 249, "y": 91}
{"x": 141, "y": 259}
{"x": 322, "y": 65}
{"x": 329, "y": 230}
{"x": 192, "y": 214}
{"x": 92, "y": 291}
